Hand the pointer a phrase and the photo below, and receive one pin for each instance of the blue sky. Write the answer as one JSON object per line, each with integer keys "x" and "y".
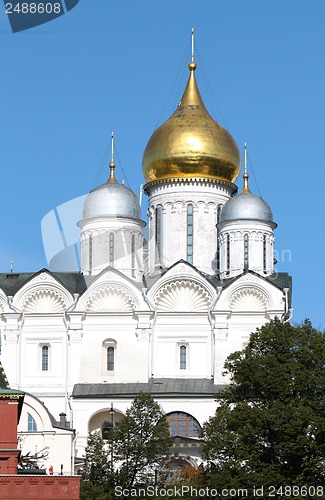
{"x": 122, "y": 66}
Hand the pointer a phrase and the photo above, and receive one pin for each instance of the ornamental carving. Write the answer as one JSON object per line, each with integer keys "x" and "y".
{"x": 248, "y": 299}
{"x": 44, "y": 301}
{"x": 182, "y": 296}
{"x": 110, "y": 299}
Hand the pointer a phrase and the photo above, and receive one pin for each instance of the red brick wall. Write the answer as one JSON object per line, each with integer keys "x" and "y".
{"x": 9, "y": 421}
{"x": 8, "y": 436}
{"x": 39, "y": 487}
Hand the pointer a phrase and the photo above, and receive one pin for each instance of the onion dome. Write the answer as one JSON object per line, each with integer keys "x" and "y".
{"x": 111, "y": 200}
{"x": 190, "y": 144}
{"x": 246, "y": 206}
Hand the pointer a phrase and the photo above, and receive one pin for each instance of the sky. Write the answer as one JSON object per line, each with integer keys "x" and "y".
{"x": 122, "y": 66}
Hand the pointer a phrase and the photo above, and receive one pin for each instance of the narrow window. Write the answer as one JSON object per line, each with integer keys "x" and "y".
{"x": 110, "y": 359}
{"x": 45, "y": 358}
{"x": 182, "y": 357}
{"x": 133, "y": 255}
{"x": 228, "y": 253}
{"x": 158, "y": 232}
{"x": 246, "y": 241}
{"x": 189, "y": 256}
{"x": 218, "y": 212}
{"x": 90, "y": 252}
{"x": 111, "y": 249}
{"x": 32, "y": 427}
{"x": 264, "y": 254}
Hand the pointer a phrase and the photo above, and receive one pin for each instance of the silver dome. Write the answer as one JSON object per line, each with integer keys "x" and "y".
{"x": 111, "y": 200}
{"x": 246, "y": 206}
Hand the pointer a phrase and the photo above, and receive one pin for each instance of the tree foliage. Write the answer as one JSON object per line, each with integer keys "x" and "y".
{"x": 96, "y": 466}
{"x": 142, "y": 442}
{"x": 270, "y": 426}
{"x": 133, "y": 453}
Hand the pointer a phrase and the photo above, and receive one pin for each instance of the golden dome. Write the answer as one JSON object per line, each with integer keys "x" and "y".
{"x": 190, "y": 144}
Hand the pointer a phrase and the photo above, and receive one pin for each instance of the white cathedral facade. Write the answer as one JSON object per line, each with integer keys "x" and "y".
{"x": 158, "y": 316}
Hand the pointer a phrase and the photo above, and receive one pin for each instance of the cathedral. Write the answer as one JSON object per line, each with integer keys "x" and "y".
{"x": 157, "y": 314}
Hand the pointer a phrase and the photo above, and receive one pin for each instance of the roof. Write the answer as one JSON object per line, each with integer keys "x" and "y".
{"x": 157, "y": 387}
{"x": 13, "y": 394}
{"x": 74, "y": 282}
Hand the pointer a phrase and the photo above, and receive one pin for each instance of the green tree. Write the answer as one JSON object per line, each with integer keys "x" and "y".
{"x": 96, "y": 465}
{"x": 270, "y": 426}
{"x": 142, "y": 442}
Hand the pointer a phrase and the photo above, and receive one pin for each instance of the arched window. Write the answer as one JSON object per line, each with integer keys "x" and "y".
{"x": 264, "y": 254}
{"x": 246, "y": 252}
{"x": 228, "y": 253}
{"x": 90, "y": 252}
{"x": 189, "y": 248}
{"x": 31, "y": 424}
{"x": 158, "y": 232}
{"x": 219, "y": 208}
{"x": 133, "y": 255}
{"x": 183, "y": 424}
{"x": 182, "y": 357}
{"x": 111, "y": 249}
{"x": 45, "y": 358}
{"x": 110, "y": 358}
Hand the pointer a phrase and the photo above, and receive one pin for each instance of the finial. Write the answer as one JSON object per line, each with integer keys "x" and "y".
{"x": 192, "y": 65}
{"x": 112, "y": 139}
{"x": 11, "y": 266}
{"x": 245, "y": 175}
{"x": 112, "y": 164}
{"x": 245, "y": 158}
{"x": 192, "y": 45}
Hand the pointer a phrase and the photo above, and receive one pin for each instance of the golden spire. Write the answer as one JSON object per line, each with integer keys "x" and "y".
{"x": 112, "y": 165}
{"x": 190, "y": 144}
{"x": 245, "y": 174}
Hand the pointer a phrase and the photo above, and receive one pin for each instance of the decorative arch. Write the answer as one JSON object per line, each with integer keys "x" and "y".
{"x": 248, "y": 299}
{"x": 105, "y": 416}
{"x": 44, "y": 300}
{"x": 110, "y": 299}
{"x": 182, "y": 296}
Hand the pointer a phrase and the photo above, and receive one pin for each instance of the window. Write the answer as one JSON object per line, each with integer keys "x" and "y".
{"x": 228, "y": 253}
{"x": 189, "y": 235}
{"x": 45, "y": 358}
{"x": 111, "y": 249}
{"x": 264, "y": 253}
{"x": 183, "y": 424}
{"x": 90, "y": 252}
{"x": 246, "y": 242}
{"x": 133, "y": 255}
{"x": 109, "y": 356}
{"x": 110, "y": 359}
{"x": 219, "y": 208}
{"x": 32, "y": 427}
{"x": 158, "y": 232}
{"x": 182, "y": 357}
